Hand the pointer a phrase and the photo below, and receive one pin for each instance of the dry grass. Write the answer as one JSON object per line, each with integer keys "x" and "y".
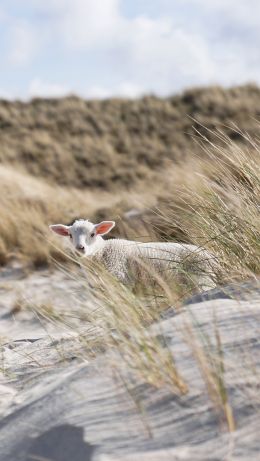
{"x": 28, "y": 206}
{"x": 120, "y": 323}
{"x": 65, "y": 158}
{"x": 72, "y": 142}
{"x": 213, "y": 203}
{"x": 216, "y": 205}
{"x": 200, "y": 189}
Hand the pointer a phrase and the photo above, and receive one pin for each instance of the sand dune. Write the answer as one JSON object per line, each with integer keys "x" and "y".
{"x": 50, "y": 390}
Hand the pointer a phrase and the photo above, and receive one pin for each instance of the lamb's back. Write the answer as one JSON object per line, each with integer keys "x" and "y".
{"x": 125, "y": 258}
{"x": 118, "y": 254}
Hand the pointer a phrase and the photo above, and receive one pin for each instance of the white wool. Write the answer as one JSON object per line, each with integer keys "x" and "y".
{"x": 125, "y": 258}
{"x": 121, "y": 258}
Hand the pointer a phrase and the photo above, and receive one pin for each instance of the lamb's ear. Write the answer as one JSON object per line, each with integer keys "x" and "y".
{"x": 104, "y": 227}
{"x": 60, "y": 229}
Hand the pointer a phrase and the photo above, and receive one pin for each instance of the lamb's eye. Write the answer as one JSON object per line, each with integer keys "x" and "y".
{"x": 93, "y": 234}
{"x": 70, "y": 236}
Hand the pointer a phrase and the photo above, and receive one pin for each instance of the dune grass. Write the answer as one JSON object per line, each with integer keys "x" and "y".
{"x": 28, "y": 205}
{"x": 71, "y": 142}
{"x": 213, "y": 203}
{"x": 217, "y": 206}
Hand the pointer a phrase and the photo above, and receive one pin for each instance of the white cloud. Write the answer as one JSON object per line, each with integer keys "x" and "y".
{"x": 129, "y": 90}
{"x": 22, "y": 44}
{"x": 162, "y": 53}
{"x": 40, "y": 88}
{"x": 123, "y": 89}
{"x": 147, "y": 53}
{"x": 2, "y": 14}
{"x": 5, "y": 94}
{"x": 86, "y": 23}
{"x": 243, "y": 11}
{"x": 131, "y": 56}
{"x": 80, "y": 23}
{"x": 156, "y": 54}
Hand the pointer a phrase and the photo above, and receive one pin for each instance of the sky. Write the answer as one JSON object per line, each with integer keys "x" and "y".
{"x": 126, "y": 48}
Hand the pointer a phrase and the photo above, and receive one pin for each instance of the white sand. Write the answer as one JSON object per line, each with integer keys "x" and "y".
{"x": 46, "y": 381}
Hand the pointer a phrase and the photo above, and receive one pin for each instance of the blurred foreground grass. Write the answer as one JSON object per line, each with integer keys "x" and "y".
{"x": 215, "y": 204}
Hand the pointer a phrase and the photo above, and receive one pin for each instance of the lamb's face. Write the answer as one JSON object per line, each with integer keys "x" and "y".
{"x": 83, "y": 234}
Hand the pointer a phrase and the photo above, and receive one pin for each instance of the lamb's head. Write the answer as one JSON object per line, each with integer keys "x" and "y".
{"x": 85, "y": 236}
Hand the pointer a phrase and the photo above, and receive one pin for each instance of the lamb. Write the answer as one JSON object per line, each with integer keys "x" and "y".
{"x": 127, "y": 259}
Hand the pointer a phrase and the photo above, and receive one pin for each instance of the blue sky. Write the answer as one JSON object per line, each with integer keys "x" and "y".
{"x": 104, "y": 48}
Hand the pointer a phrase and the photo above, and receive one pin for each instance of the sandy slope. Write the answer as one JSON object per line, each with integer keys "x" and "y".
{"x": 57, "y": 406}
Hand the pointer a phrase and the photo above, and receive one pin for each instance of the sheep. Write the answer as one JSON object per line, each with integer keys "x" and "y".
{"x": 127, "y": 259}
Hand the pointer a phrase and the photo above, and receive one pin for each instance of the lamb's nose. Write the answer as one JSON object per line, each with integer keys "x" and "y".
{"x": 80, "y": 247}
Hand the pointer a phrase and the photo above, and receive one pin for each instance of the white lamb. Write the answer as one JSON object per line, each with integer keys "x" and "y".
{"x": 127, "y": 259}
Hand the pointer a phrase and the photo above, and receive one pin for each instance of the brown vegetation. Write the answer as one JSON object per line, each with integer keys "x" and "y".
{"x": 115, "y": 143}
{"x": 160, "y": 174}
{"x": 99, "y": 159}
